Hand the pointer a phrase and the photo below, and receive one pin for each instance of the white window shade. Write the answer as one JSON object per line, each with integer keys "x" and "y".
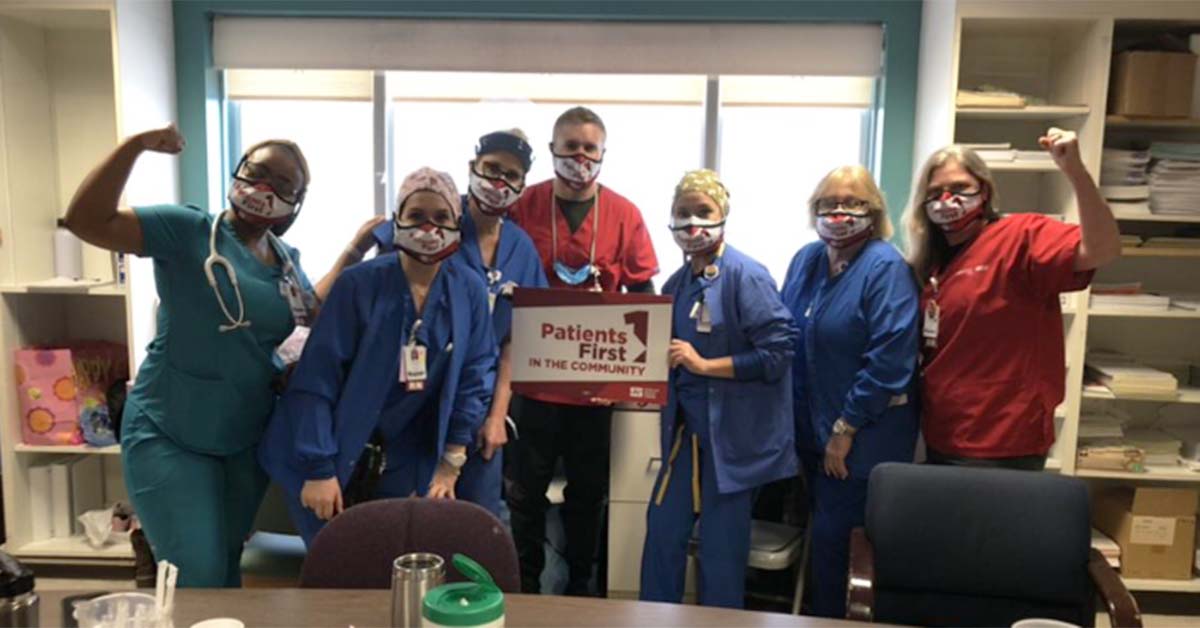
{"x": 813, "y": 49}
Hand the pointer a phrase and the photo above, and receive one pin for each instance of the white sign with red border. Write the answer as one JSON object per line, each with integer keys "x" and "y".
{"x": 591, "y": 345}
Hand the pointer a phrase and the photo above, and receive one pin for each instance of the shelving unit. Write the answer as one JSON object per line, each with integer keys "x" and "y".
{"x": 1060, "y": 52}
{"x": 72, "y": 76}
{"x": 1022, "y": 166}
{"x": 1032, "y": 112}
{"x": 1123, "y": 122}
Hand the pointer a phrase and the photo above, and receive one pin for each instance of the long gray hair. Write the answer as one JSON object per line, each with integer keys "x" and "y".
{"x": 926, "y": 244}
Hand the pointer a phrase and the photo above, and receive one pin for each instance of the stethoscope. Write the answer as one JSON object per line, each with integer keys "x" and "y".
{"x": 216, "y": 260}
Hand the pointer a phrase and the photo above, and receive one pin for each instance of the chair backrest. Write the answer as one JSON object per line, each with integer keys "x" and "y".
{"x": 962, "y": 546}
{"x": 356, "y": 549}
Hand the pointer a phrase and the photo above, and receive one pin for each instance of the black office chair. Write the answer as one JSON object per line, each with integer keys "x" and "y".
{"x": 948, "y": 546}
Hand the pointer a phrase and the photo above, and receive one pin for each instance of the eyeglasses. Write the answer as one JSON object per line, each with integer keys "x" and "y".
{"x": 493, "y": 170}
{"x": 252, "y": 172}
{"x": 829, "y": 203}
{"x": 954, "y": 189}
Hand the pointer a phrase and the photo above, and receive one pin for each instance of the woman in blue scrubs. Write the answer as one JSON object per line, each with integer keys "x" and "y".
{"x": 231, "y": 291}
{"x": 502, "y": 254}
{"x": 397, "y": 374}
{"x": 727, "y": 425}
{"x": 855, "y": 301}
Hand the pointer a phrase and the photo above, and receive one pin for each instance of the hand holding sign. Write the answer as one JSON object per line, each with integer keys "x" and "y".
{"x": 682, "y": 353}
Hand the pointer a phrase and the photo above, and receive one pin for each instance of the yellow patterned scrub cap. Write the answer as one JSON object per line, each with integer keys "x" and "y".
{"x": 706, "y": 182}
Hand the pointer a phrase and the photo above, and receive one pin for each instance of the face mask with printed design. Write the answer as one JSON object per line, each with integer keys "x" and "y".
{"x": 577, "y": 171}
{"x": 954, "y": 211}
{"x": 427, "y": 242}
{"x": 493, "y": 195}
{"x": 843, "y": 228}
{"x": 696, "y": 236}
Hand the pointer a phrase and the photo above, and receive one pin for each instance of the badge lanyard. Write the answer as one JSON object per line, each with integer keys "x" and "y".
{"x": 493, "y": 278}
{"x": 595, "y": 230}
{"x": 412, "y": 361}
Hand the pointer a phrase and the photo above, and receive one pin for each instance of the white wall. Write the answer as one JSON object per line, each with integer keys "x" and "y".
{"x": 146, "y": 76}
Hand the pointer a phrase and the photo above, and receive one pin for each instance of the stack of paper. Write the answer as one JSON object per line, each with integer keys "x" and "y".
{"x": 1125, "y": 376}
{"x": 978, "y": 146}
{"x": 1128, "y": 296}
{"x": 1124, "y": 168}
{"x": 1186, "y": 302}
{"x": 1173, "y": 243}
{"x": 1107, "y": 547}
{"x": 1175, "y": 178}
{"x": 1130, "y": 240}
{"x": 1100, "y": 426}
{"x": 1034, "y": 156}
{"x": 1160, "y": 448}
{"x": 984, "y": 97}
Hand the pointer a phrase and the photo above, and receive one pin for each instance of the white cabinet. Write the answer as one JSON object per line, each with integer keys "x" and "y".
{"x": 634, "y": 465}
{"x": 68, "y": 87}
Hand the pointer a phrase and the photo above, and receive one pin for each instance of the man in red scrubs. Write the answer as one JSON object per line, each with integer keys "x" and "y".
{"x": 589, "y": 238}
{"x": 992, "y": 332}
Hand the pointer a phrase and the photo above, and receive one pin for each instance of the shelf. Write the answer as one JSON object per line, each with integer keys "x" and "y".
{"x": 1033, "y": 112}
{"x": 1158, "y": 217}
{"x": 1153, "y": 473}
{"x": 113, "y": 450}
{"x": 108, "y": 289}
{"x": 1166, "y": 586}
{"x": 1123, "y": 122}
{"x": 1118, "y": 312}
{"x": 1161, "y": 251}
{"x": 75, "y": 547}
{"x": 1186, "y": 395}
{"x": 1022, "y": 166}
{"x": 1053, "y": 464}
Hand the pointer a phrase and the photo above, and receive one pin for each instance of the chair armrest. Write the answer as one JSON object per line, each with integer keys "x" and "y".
{"x": 1122, "y": 609}
{"x": 860, "y": 587}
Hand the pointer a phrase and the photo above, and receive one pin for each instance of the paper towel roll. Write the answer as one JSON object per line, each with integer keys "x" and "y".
{"x": 68, "y": 253}
{"x": 1194, "y": 45}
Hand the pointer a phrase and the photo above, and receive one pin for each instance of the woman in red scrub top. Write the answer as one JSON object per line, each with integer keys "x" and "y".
{"x": 992, "y": 333}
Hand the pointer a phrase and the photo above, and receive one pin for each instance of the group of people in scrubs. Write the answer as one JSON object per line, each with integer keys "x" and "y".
{"x": 404, "y": 384}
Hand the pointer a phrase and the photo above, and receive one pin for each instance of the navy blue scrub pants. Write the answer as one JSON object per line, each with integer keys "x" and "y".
{"x": 838, "y": 506}
{"x": 724, "y": 532}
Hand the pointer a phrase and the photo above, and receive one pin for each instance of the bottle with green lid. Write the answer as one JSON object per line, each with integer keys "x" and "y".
{"x": 478, "y": 603}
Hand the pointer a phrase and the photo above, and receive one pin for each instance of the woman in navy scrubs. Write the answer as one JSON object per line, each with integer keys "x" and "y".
{"x": 396, "y": 377}
{"x": 727, "y": 425}
{"x": 855, "y": 301}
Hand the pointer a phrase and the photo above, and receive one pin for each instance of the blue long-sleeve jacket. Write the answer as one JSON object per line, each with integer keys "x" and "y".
{"x": 351, "y": 361}
{"x": 750, "y": 416}
{"x": 856, "y": 356}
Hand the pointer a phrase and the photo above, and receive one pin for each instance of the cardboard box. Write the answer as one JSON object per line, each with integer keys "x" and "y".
{"x": 1155, "y": 527}
{"x": 1152, "y": 84}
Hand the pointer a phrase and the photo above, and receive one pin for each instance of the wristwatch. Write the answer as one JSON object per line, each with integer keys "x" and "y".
{"x": 842, "y": 428}
{"x": 455, "y": 460}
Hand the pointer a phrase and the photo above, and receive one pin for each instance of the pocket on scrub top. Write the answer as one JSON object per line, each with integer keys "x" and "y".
{"x": 210, "y": 415}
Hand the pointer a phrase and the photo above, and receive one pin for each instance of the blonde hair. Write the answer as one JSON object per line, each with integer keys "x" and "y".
{"x": 291, "y": 146}
{"x": 926, "y": 244}
{"x": 858, "y": 179}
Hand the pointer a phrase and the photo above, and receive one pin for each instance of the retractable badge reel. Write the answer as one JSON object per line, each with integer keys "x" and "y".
{"x": 294, "y": 295}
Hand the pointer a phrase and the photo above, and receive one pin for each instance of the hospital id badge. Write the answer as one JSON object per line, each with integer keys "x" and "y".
{"x": 702, "y": 317}
{"x": 492, "y": 302}
{"x": 295, "y": 300}
{"x": 412, "y": 367}
{"x": 929, "y": 330}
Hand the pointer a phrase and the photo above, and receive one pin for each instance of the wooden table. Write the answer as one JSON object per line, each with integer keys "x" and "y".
{"x": 329, "y": 608}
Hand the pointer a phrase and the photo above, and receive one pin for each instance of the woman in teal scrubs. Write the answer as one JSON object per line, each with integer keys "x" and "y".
{"x": 230, "y": 291}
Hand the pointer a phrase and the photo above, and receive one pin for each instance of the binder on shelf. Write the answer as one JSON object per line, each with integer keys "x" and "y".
{"x": 60, "y": 500}
{"x": 39, "y": 503}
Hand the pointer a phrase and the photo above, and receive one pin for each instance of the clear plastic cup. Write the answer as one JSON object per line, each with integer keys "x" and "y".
{"x": 120, "y": 610}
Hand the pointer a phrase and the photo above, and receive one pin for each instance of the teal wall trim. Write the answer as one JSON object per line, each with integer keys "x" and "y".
{"x": 199, "y": 90}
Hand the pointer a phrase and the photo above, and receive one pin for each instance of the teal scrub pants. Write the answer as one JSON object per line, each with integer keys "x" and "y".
{"x": 196, "y": 509}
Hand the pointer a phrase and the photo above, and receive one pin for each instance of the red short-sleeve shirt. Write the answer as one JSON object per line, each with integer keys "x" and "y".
{"x": 991, "y": 381}
{"x": 624, "y": 252}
